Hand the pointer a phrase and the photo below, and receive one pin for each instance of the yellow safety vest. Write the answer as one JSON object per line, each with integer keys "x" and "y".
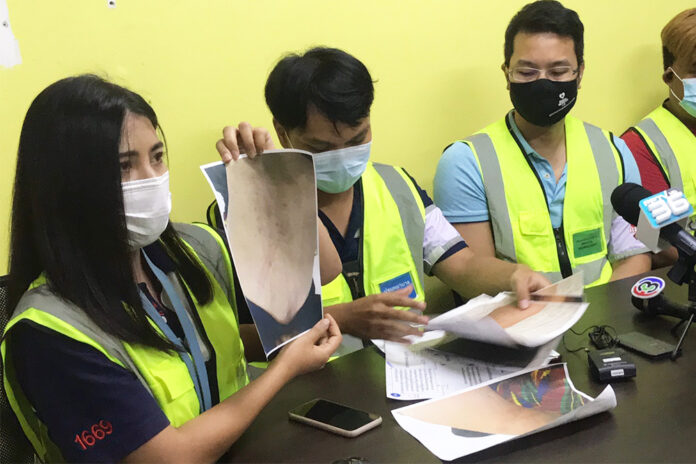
{"x": 518, "y": 208}
{"x": 673, "y": 145}
{"x": 163, "y": 373}
{"x": 391, "y": 242}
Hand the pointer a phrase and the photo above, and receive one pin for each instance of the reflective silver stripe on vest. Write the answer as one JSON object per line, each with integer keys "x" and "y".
{"x": 207, "y": 247}
{"x": 45, "y": 300}
{"x": 552, "y": 276}
{"x": 592, "y": 270}
{"x": 609, "y": 179}
{"x": 348, "y": 345}
{"x": 41, "y": 297}
{"x": 495, "y": 196}
{"x": 664, "y": 151}
{"x": 497, "y": 204}
{"x": 409, "y": 211}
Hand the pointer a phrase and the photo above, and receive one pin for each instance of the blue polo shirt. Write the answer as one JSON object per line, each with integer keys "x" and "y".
{"x": 459, "y": 190}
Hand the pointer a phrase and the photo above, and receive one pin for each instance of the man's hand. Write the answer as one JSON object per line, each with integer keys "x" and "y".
{"x": 525, "y": 281}
{"x": 312, "y": 350}
{"x": 243, "y": 139}
{"x": 374, "y": 316}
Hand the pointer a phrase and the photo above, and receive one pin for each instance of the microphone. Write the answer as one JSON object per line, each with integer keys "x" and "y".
{"x": 655, "y": 218}
{"x": 652, "y": 213}
{"x": 658, "y": 305}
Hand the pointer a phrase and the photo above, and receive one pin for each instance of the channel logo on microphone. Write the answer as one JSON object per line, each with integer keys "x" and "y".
{"x": 666, "y": 207}
{"x": 648, "y": 287}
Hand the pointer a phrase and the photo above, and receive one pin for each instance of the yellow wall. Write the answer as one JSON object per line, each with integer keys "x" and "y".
{"x": 203, "y": 64}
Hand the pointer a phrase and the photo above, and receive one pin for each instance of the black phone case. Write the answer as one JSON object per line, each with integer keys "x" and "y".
{"x": 645, "y": 344}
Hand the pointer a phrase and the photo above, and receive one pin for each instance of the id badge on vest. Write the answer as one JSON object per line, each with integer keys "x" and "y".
{"x": 397, "y": 283}
{"x": 587, "y": 242}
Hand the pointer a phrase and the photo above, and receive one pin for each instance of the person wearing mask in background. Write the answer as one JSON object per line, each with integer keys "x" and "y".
{"x": 664, "y": 142}
{"x": 535, "y": 186}
{"x": 386, "y": 229}
{"x": 123, "y": 343}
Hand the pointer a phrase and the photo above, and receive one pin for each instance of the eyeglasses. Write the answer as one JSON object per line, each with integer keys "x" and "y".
{"x": 557, "y": 73}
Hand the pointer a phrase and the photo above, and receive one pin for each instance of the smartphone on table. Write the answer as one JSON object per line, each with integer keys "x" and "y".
{"x": 335, "y": 417}
{"x": 646, "y": 344}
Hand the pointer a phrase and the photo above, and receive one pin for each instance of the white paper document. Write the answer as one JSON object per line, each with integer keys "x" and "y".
{"x": 9, "y": 47}
{"x": 504, "y": 409}
{"x": 433, "y": 373}
{"x": 499, "y": 321}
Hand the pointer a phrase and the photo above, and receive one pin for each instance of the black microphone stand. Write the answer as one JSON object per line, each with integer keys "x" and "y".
{"x": 681, "y": 273}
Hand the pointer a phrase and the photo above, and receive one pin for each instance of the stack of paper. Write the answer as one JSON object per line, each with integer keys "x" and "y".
{"x": 434, "y": 373}
{"x": 498, "y": 411}
{"x": 486, "y": 377}
{"x": 499, "y": 321}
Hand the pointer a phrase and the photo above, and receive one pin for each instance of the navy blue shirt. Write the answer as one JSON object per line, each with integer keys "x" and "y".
{"x": 74, "y": 387}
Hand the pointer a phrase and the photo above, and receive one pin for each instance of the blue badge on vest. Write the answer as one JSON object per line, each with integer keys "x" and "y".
{"x": 397, "y": 283}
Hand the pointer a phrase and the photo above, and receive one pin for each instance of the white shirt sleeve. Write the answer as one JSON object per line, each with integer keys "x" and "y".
{"x": 622, "y": 241}
{"x": 440, "y": 236}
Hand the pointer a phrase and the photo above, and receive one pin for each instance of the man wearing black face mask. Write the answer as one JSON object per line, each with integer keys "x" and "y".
{"x": 535, "y": 187}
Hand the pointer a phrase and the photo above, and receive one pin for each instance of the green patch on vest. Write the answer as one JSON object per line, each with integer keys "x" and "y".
{"x": 587, "y": 242}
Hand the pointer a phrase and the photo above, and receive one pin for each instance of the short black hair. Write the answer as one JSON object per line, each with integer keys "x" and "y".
{"x": 335, "y": 82}
{"x": 546, "y": 16}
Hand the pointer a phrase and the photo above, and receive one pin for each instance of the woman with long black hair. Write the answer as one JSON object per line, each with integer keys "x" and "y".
{"x": 123, "y": 343}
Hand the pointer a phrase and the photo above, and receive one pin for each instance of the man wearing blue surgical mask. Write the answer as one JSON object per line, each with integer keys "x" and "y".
{"x": 387, "y": 231}
{"x": 535, "y": 186}
{"x": 664, "y": 142}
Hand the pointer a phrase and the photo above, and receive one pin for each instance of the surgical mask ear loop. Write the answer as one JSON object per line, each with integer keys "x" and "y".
{"x": 680, "y": 80}
{"x": 688, "y": 101}
{"x": 287, "y": 136}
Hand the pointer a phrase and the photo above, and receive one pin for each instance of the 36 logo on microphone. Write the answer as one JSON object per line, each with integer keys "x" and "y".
{"x": 666, "y": 207}
{"x": 648, "y": 287}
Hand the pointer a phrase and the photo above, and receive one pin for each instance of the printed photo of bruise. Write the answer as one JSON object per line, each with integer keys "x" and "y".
{"x": 272, "y": 226}
{"x": 513, "y": 406}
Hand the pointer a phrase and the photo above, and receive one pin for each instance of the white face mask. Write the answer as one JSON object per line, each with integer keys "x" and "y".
{"x": 338, "y": 170}
{"x": 147, "y": 204}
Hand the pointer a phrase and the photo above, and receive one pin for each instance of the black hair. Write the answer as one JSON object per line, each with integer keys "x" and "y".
{"x": 67, "y": 214}
{"x": 667, "y": 58}
{"x": 545, "y": 16}
{"x": 336, "y": 83}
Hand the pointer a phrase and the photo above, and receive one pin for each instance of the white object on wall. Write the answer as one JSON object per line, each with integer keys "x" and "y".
{"x": 9, "y": 47}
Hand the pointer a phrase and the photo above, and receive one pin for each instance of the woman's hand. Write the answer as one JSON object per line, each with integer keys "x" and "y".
{"x": 243, "y": 139}
{"x": 312, "y": 350}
